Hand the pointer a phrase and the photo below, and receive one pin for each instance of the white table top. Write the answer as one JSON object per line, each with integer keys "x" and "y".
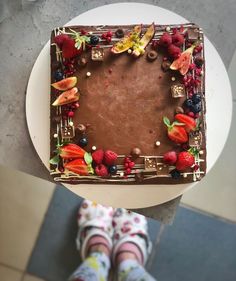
{"x": 218, "y": 98}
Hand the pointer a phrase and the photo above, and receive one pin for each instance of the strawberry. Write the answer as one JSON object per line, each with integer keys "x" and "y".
{"x": 79, "y": 167}
{"x": 109, "y": 157}
{"x": 68, "y": 48}
{"x": 176, "y": 131}
{"x": 190, "y": 123}
{"x": 98, "y": 156}
{"x": 185, "y": 160}
{"x": 170, "y": 157}
{"x": 101, "y": 170}
{"x": 71, "y": 150}
{"x": 60, "y": 39}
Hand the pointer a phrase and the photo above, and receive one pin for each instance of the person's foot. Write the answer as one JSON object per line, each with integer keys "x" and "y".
{"x": 94, "y": 240}
{"x": 130, "y": 238}
{"x": 95, "y": 229}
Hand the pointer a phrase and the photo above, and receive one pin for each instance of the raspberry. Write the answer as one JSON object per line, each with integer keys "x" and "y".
{"x": 165, "y": 40}
{"x": 177, "y": 39}
{"x": 170, "y": 157}
{"x": 101, "y": 170}
{"x": 98, "y": 156}
{"x": 109, "y": 157}
{"x": 174, "y": 51}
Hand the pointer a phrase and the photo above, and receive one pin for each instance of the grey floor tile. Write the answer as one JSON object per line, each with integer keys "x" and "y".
{"x": 196, "y": 248}
{"x": 55, "y": 256}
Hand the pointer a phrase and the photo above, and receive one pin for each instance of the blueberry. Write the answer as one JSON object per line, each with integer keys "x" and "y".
{"x": 83, "y": 141}
{"x": 94, "y": 40}
{"x": 188, "y": 103}
{"x": 112, "y": 169}
{"x": 196, "y": 98}
{"x": 175, "y": 174}
{"x": 58, "y": 75}
{"x": 195, "y": 108}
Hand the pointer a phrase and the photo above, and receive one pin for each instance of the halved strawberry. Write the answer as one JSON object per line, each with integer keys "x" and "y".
{"x": 79, "y": 167}
{"x": 70, "y": 151}
{"x": 176, "y": 131}
{"x": 190, "y": 123}
{"x": 185, "y": 160}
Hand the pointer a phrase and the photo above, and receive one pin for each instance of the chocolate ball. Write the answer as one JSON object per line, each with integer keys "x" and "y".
{"x": 151, "y": 55}
{"x": 135, "y": 152}
{"x": 81, "y": 128}
{"x": 82, "y": 61}
{"x": 165, "y": 65}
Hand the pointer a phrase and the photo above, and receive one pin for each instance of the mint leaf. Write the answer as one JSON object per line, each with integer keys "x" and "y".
{"x": 54, "y": 160}
{"x": 166, "y": 121}
{"x": 88, "y": 158}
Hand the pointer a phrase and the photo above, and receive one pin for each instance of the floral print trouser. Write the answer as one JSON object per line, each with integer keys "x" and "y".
{"x": 96, "y": 268}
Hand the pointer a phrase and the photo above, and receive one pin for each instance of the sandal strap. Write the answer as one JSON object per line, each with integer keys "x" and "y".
{"x": 81, "y": 242}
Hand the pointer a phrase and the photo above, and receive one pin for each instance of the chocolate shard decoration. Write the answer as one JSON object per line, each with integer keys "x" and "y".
{"x": 162, "y": 169}
{"x": 97, "y": 54}
{"x": 195, "y": 139}
{"x": 150, "y": 163}
{"x": 178, "y": 90}
{"x": 67, "y": 132}
{"x": 192, "y": 34}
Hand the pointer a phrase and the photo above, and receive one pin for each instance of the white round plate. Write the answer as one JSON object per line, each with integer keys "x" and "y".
{"x": 218, "y": 96}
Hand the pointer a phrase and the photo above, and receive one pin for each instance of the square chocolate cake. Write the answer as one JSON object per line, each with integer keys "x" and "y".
{"x": 128, "y": 104}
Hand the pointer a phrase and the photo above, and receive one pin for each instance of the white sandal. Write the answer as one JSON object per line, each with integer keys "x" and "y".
{"x": 130, "y": 227}
{"x": 93, "y": 220}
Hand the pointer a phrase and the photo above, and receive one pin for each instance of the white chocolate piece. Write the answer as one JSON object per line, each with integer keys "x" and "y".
{"x": 55, "y": 136}
{"x": 121, "y": 174}
{"x": 201, "y": 152}
{"x": 158, "y": 143}
{"x": 173, "y": 78}
{"x": 94, "y": 147}
{"x": 167, "y": 28}
{"x": 129, "y": 51}
{"x": 88, "y": 74}
{"x": 71, "y": 123}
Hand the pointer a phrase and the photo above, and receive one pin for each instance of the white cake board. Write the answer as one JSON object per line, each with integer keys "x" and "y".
{"x": 218, "y": 96}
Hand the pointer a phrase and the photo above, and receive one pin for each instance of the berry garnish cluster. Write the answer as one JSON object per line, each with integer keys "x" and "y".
{"x": 180, "y": 161}
{"x": 104, "y": 162}
{"x": 128, "y": 165}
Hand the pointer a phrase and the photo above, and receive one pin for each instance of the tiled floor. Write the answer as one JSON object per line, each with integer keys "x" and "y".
{"x": 23, "y": 203}
{"x": 9, "y": 274}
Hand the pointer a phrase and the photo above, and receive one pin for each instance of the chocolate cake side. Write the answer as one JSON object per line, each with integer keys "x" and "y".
{"x": 112, "y": 88}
